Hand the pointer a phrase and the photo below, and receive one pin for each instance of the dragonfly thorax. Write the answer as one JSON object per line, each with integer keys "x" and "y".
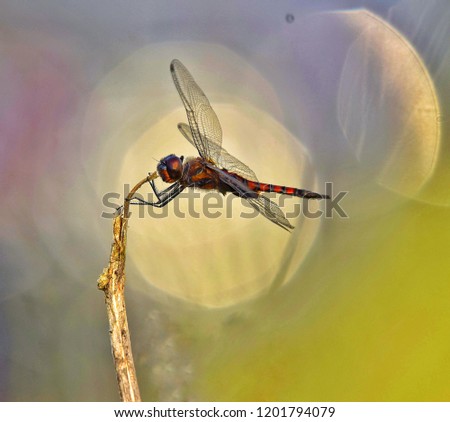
{"x": 170, "y": 168}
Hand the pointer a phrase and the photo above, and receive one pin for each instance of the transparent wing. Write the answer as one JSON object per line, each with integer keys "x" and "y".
{"x": 271, "y": 211}
{"x": 205, "y": 126}
{"x": 259, "y": 202}
{"x": 225, "y": 159}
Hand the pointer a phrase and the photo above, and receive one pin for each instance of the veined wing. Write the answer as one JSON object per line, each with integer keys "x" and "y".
{"x": 225, "y": 159}
{"x": 259, "y": 202}
{"x": 205, "y": 126}
{"x": 271, "y": 211}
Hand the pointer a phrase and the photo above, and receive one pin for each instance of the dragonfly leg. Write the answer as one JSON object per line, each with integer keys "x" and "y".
{"x": 154, "y": 188}
{"x": 157, "y": 192}
{"x": 164, "y": 197}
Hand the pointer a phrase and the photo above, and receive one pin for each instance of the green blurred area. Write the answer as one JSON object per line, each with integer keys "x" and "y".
{"x": 378, "y": 332}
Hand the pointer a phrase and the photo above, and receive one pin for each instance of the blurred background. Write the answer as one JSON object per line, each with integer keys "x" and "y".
{"x": 345, "y": 308}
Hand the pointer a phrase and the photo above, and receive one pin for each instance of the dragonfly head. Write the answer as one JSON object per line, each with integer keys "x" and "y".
{"x": 170, "y": 168}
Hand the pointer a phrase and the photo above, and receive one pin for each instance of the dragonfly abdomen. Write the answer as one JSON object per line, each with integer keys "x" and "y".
{"x": 302, "y": 193}
{"x": 285, "y": 190}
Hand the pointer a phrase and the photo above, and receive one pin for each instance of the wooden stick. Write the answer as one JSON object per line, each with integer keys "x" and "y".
{"x": 112, "y": 282}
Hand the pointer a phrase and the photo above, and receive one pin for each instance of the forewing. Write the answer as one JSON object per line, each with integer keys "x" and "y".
{"x": 205, "y": 126}
{"x": 238, "y": 187}
{"x": 225, "y": 159}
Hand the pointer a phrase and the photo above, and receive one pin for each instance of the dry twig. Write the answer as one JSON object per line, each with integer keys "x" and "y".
{"x": 112, "y": 282}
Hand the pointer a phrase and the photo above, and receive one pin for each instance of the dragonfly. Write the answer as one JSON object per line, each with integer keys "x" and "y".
{"x": 215, "y": 168}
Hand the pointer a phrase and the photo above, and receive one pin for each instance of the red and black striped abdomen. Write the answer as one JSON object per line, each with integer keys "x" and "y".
{"x": 266, "y": 187}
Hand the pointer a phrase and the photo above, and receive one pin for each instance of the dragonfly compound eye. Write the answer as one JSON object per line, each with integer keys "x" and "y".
{"x": 170, "y": 168}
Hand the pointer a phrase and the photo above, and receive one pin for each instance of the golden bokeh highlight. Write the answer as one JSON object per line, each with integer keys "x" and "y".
{"x": 223, "y": 260}
{"x": 213, "y": 261}
{"x": 387, "y": 106}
